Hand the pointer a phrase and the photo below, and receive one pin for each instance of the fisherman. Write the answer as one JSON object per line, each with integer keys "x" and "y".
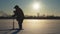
{"x": 18, "y": 13}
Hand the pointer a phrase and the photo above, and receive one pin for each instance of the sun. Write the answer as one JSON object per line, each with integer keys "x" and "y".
{"x": 36, "y": 6}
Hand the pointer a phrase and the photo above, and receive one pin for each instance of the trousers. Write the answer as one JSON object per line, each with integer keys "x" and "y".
{"x": 20, "y": 23}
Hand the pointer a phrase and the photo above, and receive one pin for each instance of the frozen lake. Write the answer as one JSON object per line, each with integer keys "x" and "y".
{"x": 31, "y": 26}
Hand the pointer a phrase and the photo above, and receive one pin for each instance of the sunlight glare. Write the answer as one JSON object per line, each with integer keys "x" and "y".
{"x": 36, "y": 6}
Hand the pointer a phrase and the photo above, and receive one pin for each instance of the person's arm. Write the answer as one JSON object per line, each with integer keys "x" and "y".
{"x": 14, "y": 14}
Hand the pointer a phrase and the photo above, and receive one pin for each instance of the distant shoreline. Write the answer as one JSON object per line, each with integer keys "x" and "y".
{"x": 31, "y": 17}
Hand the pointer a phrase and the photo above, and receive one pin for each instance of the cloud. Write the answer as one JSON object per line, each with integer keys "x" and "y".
{"x": 2, "y": 13}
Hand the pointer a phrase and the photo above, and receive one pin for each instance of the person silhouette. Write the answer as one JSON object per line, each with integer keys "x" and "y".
{"x": 18, "y": 13}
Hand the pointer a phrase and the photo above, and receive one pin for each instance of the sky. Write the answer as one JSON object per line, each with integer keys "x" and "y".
{"x": 29, "y": 7}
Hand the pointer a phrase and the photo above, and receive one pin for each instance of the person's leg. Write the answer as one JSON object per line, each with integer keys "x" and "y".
{"x": 20, "y": 24}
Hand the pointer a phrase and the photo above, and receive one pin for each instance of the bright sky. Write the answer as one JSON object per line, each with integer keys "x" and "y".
{"x": 31, "y": 7}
